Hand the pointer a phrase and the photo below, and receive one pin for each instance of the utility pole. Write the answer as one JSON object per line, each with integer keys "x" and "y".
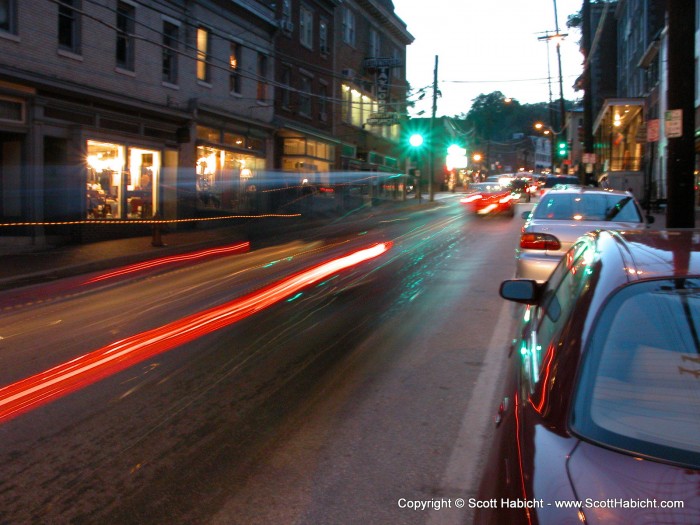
{"x": 680, "y": 210}
{"x": 588, "y": 175}
{"x": 431, "y": 149}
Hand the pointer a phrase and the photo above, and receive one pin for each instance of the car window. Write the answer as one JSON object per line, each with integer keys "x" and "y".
{"x": 587, "y": 207}
{"x": 559, "y": 296}
{"x": 640, "y": 385}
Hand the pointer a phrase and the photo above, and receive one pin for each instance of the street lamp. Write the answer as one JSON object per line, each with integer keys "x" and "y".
{"x": 547, "y": 130}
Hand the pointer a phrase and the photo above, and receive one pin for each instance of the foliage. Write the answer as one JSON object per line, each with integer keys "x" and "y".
{"x": 493, "y": 117}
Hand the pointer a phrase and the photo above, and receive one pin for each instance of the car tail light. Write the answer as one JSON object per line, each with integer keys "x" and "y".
{"x": 471, "y": 198}
{"x": 539, "y": 241}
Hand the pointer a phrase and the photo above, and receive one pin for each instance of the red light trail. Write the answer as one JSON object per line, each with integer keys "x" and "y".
{"x": 45, "y": 387}
{"x": 224, "y": 250}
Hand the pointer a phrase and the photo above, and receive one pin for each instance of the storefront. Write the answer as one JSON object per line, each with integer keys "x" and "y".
{"x": 122, "y": 181}
{"x": 312, "y": 159}
{"x": 229, "y": 166}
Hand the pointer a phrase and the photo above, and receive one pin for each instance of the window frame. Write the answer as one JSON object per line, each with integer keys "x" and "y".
{"x": 203, "y": 49}
{"x": 306, "y": 27}
{"x": 9, "y": 26}
{"x": 125, "y": 53}
{"x": 234, "y": 69}
{"x": 69, "y": 26}
{"x": 169, "y": 70}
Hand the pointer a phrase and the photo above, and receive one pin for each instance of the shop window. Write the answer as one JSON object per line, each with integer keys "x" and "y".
{"x": 105, "y": 168}
{"x": 126, "y": 16}
{"x": 121, "y": 185}
{"x": 256, "y": 144}
{"x": 235, "y": 140}
{"x": 208, "y": 134}
{"x": 142, "y": 183}
{"x": 226, "y": 179}
{"x": 69, "y": 25}
{"x": 294, "y": 147}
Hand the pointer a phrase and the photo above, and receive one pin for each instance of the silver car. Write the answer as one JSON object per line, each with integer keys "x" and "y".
{"x": 564, "y": 215}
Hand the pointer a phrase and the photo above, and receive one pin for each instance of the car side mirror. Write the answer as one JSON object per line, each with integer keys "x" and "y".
{"x": 526, "y": 215}
{"x": 525, "y": 291}
{"x": 650, "y": 219}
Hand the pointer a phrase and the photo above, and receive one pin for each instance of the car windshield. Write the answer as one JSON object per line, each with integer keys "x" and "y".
{"x": 587, "y": 207}
{"x": 486, "y": 187}
{"x": 640, "y": 389}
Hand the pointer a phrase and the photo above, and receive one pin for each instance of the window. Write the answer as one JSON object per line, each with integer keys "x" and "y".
{"x": 348, "y": 26}
{"x": 126, "y": 14}
{"x": 305, "y": 96}
{"x": 286, "y": 82}
{"x": 262, "y": 78}
{"x": 639, "y": 389}
{"x": 286, "y": 9}
{"x": 374, "y": 50}
{"x": 396, "y": 70}
{"x": 170, "y": 47}
{"x": 323, "y": 44}
{"x": 234, "y": 65}
{"x": 323, "y": 102}
{"x": 203, "y": 69}
{"x": 306, "y": 27}
{"x": 69, "y": 26}
{"x": 8, "y": 18}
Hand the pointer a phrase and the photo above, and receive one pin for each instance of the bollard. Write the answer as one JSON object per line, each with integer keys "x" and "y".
{"x": 157, "y": 239}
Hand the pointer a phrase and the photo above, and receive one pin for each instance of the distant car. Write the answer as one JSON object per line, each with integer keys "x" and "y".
{"x": 484, "y": 198}
{"x": 562, "y": 216}
{"x": 599, "y": 420}
{"x": 525, "y": 187}
{"x": 549, "y": 181}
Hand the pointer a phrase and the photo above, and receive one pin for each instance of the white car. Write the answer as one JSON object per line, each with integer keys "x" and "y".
{"x": 562, "y": 216}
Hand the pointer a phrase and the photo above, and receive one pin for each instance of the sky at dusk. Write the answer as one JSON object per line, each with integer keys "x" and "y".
{"x": 486, "y": 46}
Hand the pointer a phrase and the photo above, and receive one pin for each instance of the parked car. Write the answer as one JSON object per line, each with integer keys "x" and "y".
{"x": 562, "y": 216}
{"x": 599, "y": 421}
{"x": 484, "y": 198}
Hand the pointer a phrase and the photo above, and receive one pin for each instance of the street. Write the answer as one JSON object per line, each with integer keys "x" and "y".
{"x": 363, "y": 396}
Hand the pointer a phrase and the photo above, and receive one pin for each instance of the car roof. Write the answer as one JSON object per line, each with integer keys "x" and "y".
{"x": 572, "y": 188}
{"x": 653, "y": 254}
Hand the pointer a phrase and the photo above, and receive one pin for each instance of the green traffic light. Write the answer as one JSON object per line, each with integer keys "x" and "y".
{"x": 563, "y": 149}
{"x": 416, "y": 140}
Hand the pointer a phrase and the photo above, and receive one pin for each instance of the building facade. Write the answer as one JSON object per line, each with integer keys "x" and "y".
{"x": 125, "y": 110}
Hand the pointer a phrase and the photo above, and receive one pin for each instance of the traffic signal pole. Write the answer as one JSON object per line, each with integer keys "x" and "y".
{"x": 431, "y": 190}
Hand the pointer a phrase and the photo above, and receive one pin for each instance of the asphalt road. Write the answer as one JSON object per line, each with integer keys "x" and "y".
{"x": 350, "y": 400}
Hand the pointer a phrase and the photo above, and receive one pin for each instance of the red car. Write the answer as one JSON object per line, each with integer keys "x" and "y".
{"x": 599, "y": 422}
{"x": 484, "y": 198}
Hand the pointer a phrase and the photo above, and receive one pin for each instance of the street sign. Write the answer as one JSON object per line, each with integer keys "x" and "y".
{"x": 674, "y": 123}
{"x": 653, "y": 130}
